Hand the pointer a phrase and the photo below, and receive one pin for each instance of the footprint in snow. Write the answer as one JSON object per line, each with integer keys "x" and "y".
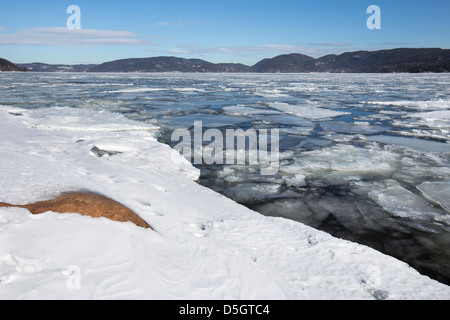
{"x": 201, "y": 228}
{"x": 12, "y": 266}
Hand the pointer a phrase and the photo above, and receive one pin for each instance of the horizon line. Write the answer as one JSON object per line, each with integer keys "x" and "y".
{"x": 178, "y": 57}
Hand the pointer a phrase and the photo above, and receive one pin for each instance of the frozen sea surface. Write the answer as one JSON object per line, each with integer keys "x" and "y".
{"x": 362, "y": 157}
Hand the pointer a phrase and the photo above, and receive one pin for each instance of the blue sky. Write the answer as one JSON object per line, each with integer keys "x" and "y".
{"x": 244, "y": 31}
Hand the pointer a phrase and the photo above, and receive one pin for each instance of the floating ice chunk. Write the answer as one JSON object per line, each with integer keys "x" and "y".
{"x": 289, "y": 142}
{"x": 433, "y": 115}
{"x": 307, "y": 111}
{"x": 241, "y": 110}
{"x": 438, "y": 192}
{"x": 272, "y": 93}
{"x": 426, "y": 134}
{"x": 313, "y": 142}
{"x": 402, "y": 203}
{"x": 337, "y": 165}
{"x": 137, "y": 90}
{"x": 417, "y": 105}
{"x": 416, "y": 144}
{"x": 339, "y": 137}
{"x": 189, "y": 90}
{"x": 298, "y": 180}
{"x": 347, "y": 127}
{"x": 347, "y": 158}
{"x": 287, "y": 120}
{"x": 302, "y": 131}
{"x": 434, "y": 119}
{"x": 255, "y": 192}
{"x": 301, "y": 87}
{"x": 208, "y": 120}
{"x": 442, "y": 125}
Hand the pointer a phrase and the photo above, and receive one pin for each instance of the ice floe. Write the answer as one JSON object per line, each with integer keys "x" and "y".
{"x": 438, "y": 192}
{"x": 416, "y": 105}
{"x": 403, "y": 203}
{"x": 356, "y": 127}
{"x": 246, "y": 111}
{"x": 308, "y": 111}
{"x": 416, "y": 144}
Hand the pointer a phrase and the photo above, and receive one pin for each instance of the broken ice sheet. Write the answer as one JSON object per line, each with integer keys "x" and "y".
{"x": 415, "y": 105}
{"x": 309, "y": 111}
{"x": 416, "y": 144}
{"x": 439, "y": 119}
{"x": 433, "y": 115}
{"x": 208, "y": 120}
{"x": 246, "y": 111}
{"x": 356, "y": 127}
{"x": 438, "y": 192}
{"x": 403, "y": 203}
{"x": 345, "y": 158}
{"x": 285, "y": 119}
{"x": 256, "y": 192}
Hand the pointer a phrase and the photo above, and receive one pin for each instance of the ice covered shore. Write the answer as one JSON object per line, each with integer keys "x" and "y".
{"x": 204, "y": 245}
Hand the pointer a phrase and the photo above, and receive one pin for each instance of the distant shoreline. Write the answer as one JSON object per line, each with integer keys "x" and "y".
{"x": 402, "y": 60}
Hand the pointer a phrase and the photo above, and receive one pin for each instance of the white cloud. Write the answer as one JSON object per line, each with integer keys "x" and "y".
{"x": 178, "y": 51}
{"x": 330, "y": 44}
{"x": 169, "y": 24}
{"x": 59, "y": 36}
{"x": 315, "y": 50}
{"x": 162, "y": 24}
{"x": 241, "y": 50}
{"x": 2, "y": 28}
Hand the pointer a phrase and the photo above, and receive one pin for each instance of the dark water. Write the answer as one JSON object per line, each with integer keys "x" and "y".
{"x": 363, "y": 157}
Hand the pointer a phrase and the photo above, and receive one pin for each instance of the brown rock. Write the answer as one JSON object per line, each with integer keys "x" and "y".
{"x": 87, "y": 204}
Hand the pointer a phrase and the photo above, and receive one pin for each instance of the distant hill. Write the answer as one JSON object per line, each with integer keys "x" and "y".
{"x": 6, "y": 65}
{"x": 167, "y": 64}
{"x": 396, "y": 60}
{"x": 234, "y": 67}
{"x": 42, "y": 67}
{"x": 289, "y": 63}
{"x": 383, "y": 61}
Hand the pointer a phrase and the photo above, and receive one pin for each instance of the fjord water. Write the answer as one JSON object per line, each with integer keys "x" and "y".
{"x": 365, "y": 157}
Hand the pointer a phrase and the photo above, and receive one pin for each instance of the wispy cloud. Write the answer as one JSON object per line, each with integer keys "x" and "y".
{"x": 59, "y": 36}
{"x": 330, "y": 44}
{"x": 162, "y": 24}
{"x": 169, "y": 24}
{"x": 241, "y": 50}
{"x": 249, "y": 52}
{"x": 178, "y": 51}
{"x": 2, "y": 28}
{"x": 398, "y": 43}
{"x": 190, "y": 45}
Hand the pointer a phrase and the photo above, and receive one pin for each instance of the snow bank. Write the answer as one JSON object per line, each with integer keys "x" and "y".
{"x": 204, "y": 245}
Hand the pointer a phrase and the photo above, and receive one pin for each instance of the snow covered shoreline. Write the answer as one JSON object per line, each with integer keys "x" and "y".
{"x": 204, "y": 246}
